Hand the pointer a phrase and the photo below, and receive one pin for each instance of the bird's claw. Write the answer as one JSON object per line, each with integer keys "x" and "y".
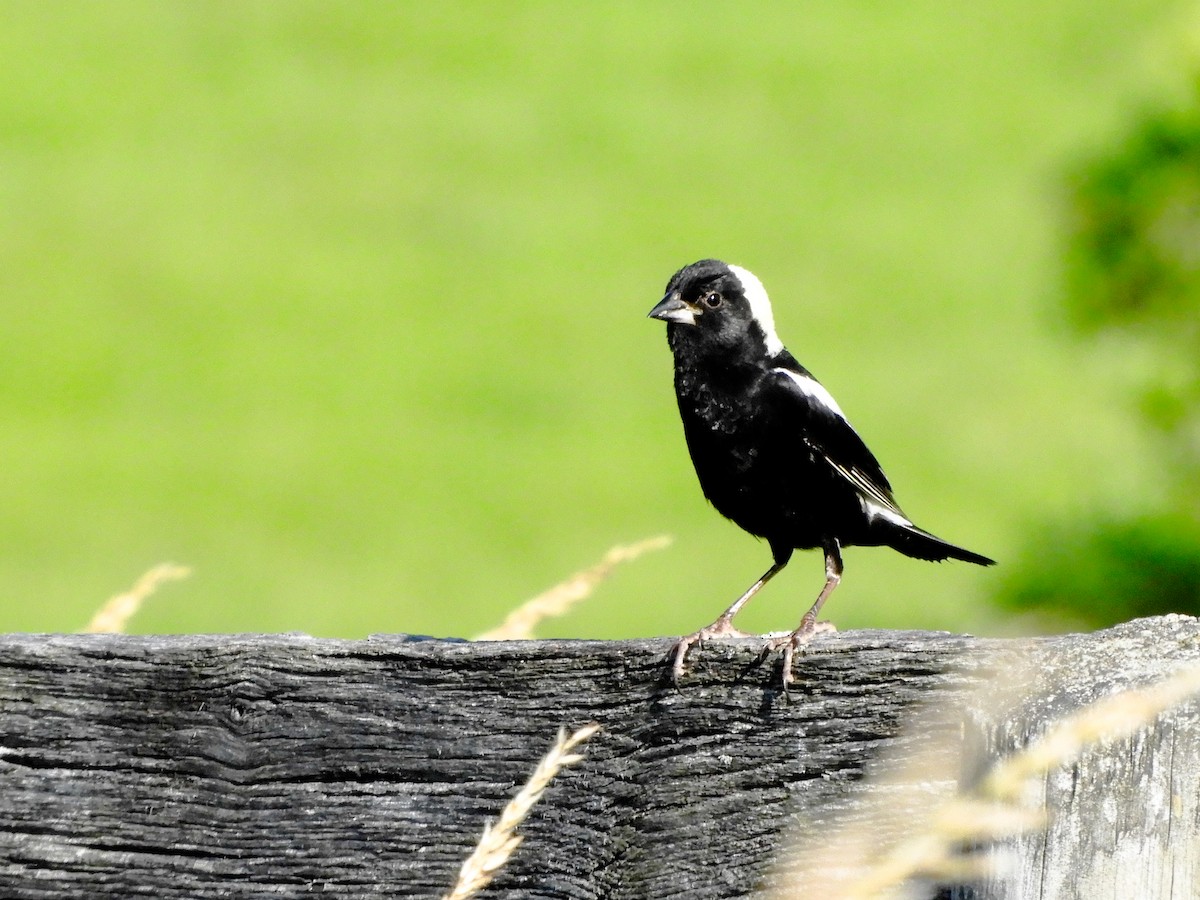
{"x": 718, "y": 629}
{"x": 792, "y": 643}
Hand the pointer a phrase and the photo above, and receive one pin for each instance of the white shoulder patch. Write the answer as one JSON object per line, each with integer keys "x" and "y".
{"x": 760, "y": 306}
{"x": 812, "y": 388}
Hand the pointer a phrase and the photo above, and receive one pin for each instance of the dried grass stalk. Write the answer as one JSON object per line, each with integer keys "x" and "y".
{"x": 114, "y": 615}
{"x": 851, "y": 864}
{"x": 1108, "y": 719}
{"x": 499, "y": 841}
{"x": 521, "y": 621}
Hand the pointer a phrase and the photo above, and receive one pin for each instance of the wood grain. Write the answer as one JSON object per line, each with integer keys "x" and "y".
{"x": 287, "y": 766}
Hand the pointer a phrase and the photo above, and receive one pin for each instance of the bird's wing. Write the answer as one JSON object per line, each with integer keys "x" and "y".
{"x": 823, "y": 426}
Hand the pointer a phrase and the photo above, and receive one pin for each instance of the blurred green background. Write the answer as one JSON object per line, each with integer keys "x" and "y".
{"x": 343, "y": 305}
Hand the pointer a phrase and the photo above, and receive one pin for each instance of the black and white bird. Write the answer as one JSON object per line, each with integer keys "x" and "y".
{"x": 772, "y": 449}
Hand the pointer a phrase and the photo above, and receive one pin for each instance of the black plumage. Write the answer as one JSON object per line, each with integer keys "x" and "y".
{"x": 772, "y": 449}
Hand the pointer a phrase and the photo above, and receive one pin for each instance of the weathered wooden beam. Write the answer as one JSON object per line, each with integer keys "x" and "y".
{"x": 287, "y": 766}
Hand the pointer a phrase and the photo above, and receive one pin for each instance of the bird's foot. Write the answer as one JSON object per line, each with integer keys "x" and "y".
{"x": 792, "y": 643}
{"x": 722, "y": 628}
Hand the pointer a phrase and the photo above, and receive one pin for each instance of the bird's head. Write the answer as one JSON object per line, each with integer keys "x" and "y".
{"x": 711, "y": 305}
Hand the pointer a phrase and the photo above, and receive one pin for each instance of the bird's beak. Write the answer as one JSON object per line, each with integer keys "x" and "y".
{"x": 672, "y": 308}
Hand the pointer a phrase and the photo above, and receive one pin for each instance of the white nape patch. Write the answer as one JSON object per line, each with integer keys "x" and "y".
{"x": 760, "y": 306}
{"x": 810, "y": 387}
{"x": 875, "y": 511}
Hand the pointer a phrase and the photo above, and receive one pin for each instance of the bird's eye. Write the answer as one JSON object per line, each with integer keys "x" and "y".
{"x": 712, "y": 300}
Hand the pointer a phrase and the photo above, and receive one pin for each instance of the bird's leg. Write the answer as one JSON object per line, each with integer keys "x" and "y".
{"x": 809, "y": 626}
{"x": 723, "y": 626}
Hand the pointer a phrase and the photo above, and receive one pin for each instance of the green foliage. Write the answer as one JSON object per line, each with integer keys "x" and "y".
{"x": 1133, "y": 268}
{"x": 1110, "y": 570}
{"x": 1134, "y": 230}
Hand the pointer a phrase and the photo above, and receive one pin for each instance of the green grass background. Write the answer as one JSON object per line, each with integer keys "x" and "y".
{"x": 344, "y": 305}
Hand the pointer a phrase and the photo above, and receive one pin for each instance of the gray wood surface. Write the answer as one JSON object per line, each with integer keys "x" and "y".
{"x": 287, "y": 766}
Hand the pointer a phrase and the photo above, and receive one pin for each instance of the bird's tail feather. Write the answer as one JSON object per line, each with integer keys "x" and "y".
{"x": 920, "y": 544}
